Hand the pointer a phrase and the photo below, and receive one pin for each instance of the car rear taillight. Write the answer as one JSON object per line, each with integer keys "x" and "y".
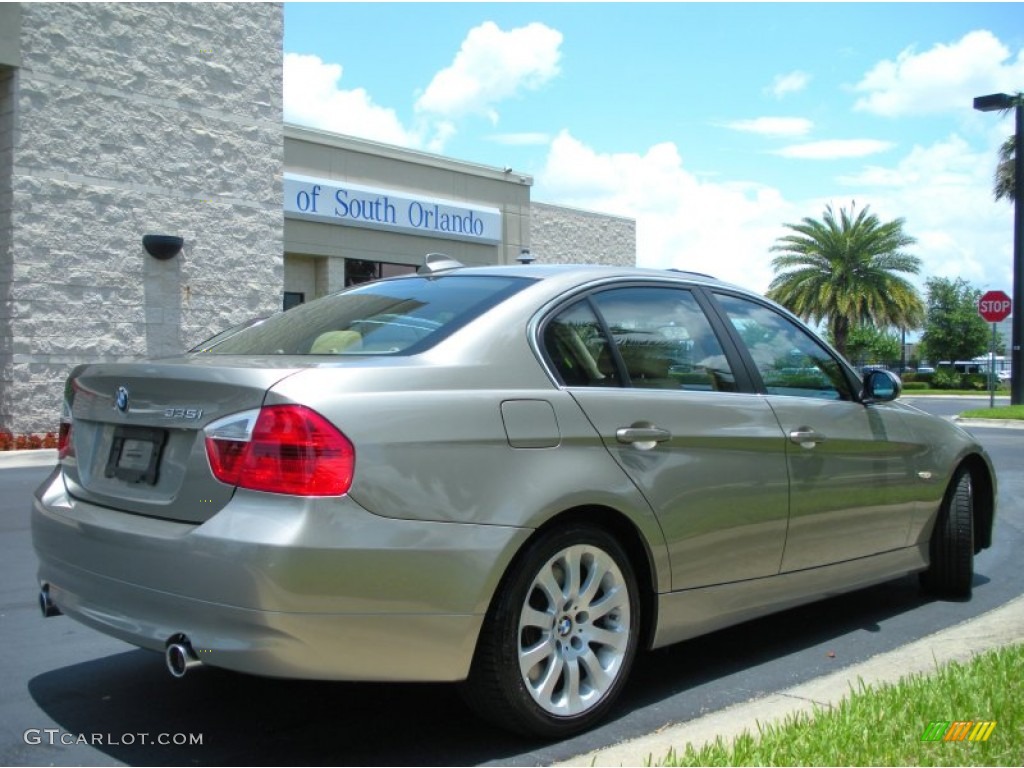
{"x": 281, "y": 449}
{"x": 65, "y": 446}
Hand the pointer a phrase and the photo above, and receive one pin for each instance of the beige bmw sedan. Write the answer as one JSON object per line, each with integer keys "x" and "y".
{"x": 511, "y": 478}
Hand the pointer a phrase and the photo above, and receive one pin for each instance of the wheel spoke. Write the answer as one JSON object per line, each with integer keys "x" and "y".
{"x": 611, "y": 600}
{"x": 552, "y": 590}
{"x": 530, "y": 658}
{"x": 596, "y": 674}
{"x": 552, "y": 676}
{"x": 598, "y": 569}
{"x": 608, "y": 638}
{"x": 571, "y": 691}
{"x": 533, "y": 617}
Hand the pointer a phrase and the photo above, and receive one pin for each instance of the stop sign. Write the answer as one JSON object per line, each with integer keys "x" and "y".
{"x": 994, "y": 306}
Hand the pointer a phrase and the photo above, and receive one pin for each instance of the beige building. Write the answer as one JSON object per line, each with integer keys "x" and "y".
{"x": 356, "y": 210}
{"x": 121, "y": 122}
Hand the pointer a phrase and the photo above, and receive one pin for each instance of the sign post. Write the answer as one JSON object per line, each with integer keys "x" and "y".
{"x": 994, "y": 307}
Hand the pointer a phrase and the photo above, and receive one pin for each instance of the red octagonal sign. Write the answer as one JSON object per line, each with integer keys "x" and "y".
{"x": 995, "y": 306}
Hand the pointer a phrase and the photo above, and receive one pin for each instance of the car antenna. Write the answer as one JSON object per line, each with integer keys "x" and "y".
{"x": 437, "y": 262}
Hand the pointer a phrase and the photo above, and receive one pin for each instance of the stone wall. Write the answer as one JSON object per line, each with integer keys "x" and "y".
{"x": 560, "y": 235}
{"x": 131, "y": 119}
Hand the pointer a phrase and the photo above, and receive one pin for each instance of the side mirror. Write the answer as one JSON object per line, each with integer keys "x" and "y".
{"x": 881, "y": 386}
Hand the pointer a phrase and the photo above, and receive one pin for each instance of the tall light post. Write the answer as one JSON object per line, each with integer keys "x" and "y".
{"x": 1001, "y": 102}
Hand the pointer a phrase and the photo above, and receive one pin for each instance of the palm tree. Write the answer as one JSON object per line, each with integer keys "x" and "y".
{"x": 1004, "y": 171}
{"x": 844, "y": 272}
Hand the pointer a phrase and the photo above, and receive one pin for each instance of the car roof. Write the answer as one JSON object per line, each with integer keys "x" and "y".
{"x": 580, "y": 273}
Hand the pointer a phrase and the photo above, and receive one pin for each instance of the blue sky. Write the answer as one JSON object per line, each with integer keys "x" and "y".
{"x": 712, "y": 125}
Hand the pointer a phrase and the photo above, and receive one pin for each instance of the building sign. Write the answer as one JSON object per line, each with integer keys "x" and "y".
{"x": 353, "y": 205}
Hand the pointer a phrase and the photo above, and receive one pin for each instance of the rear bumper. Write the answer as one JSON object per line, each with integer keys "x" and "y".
{"x": 270, "y": 585}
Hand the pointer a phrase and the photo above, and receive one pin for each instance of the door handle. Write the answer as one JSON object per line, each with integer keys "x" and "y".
{"x": 644, "y": 437}
{"x": 806, "y": 437}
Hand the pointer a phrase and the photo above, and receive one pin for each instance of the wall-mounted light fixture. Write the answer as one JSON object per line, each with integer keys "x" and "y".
{"x": 162, "y": 246}
{"x": 525, "y": 257}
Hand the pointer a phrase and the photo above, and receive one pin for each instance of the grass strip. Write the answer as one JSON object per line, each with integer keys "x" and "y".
{"x": 884, "y": 725}
{"x": 1002, "y": 412}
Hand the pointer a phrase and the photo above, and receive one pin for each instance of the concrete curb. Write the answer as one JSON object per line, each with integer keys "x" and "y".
{"x": 44, "y": 457}
{"x": 995, "y": 423}
{"x": 1000, "y": 627}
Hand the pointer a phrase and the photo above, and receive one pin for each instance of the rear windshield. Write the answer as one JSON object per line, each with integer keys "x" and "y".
{"x": 391, "y": 317}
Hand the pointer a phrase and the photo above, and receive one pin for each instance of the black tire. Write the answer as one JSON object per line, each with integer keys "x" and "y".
{"x": 951, "y": 569}
{"x": 577, "y": 632}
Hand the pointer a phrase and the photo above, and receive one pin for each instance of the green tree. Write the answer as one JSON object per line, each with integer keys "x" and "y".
{"x": 868, "y": 344}
{"x": 953, "y": 329}
{"x": 1004, "y": 171}
{"x": 845, "y": 272}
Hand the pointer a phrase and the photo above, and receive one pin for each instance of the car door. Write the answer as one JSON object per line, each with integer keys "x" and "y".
{"x": 851, "y": 465}
{"x": 651, "y": 374}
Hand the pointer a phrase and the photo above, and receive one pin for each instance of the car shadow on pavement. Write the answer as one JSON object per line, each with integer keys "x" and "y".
{"x": 106, "y": 704}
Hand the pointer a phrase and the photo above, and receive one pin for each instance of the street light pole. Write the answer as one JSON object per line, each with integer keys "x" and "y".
{"x": 1002, "y": 102}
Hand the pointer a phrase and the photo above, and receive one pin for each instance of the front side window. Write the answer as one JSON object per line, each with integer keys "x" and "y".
{"x": 401, "y": 316}
{"x": 791, "y": 362}
{"x": 664, "y": 339}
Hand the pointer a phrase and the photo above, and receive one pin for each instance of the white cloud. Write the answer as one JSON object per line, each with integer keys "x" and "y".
{"x": 790, "y": 82}
{"x": 493, "y": 65}
{"x": 834, "y": 149}
{"x": 943, "y": 78}
{"x": 773, "y": 126}
{"x": 313, "y": 97}
{"x": 943, "y": 191}
{"x": 682, "y": 222}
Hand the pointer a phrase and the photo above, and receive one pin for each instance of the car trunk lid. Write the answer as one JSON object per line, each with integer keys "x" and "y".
{"x": 137, "y": 441}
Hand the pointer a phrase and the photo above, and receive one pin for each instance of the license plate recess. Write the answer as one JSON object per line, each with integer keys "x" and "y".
{"x": 135, "y": 454}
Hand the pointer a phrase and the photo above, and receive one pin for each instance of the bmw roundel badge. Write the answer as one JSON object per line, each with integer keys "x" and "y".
{"x": 121, "y": 399}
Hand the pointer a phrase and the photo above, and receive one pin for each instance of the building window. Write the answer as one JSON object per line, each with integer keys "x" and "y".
{"x": 358, "y": 271}
{"x": 293, "y": 299}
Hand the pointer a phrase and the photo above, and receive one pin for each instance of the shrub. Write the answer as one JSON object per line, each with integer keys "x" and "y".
{"x": 918, "y": 385}
{"x": 977, "y": 381}
{"x": 12, "y": 442}
{"x": 945, "y": 378}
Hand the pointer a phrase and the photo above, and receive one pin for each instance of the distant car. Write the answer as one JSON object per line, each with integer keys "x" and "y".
{"x": 925, "y": 369}
{"x": 512, "y": 477}
{"x": 1004, "y": 375}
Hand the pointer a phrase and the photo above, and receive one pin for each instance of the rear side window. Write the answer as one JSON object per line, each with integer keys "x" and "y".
{"x": 664, "y": 339}
{"x": 577, "y": 346}
{"x": 390, "y": 317}
{"x": 649, "y": 337}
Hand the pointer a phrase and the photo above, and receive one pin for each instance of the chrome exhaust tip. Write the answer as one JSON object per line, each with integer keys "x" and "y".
{"x": 180, "y": 656}
{"x": 46, "y": 604}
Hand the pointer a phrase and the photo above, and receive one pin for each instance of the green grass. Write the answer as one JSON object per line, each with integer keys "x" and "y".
{"x": 882, "y": 726}
{"x": 946, "y": 392}
{"x": 1002, "y": 412}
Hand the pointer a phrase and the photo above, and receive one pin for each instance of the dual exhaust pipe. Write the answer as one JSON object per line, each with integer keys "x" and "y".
{"x": 179, "y": 656}
{"x": 46, "y": 604}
